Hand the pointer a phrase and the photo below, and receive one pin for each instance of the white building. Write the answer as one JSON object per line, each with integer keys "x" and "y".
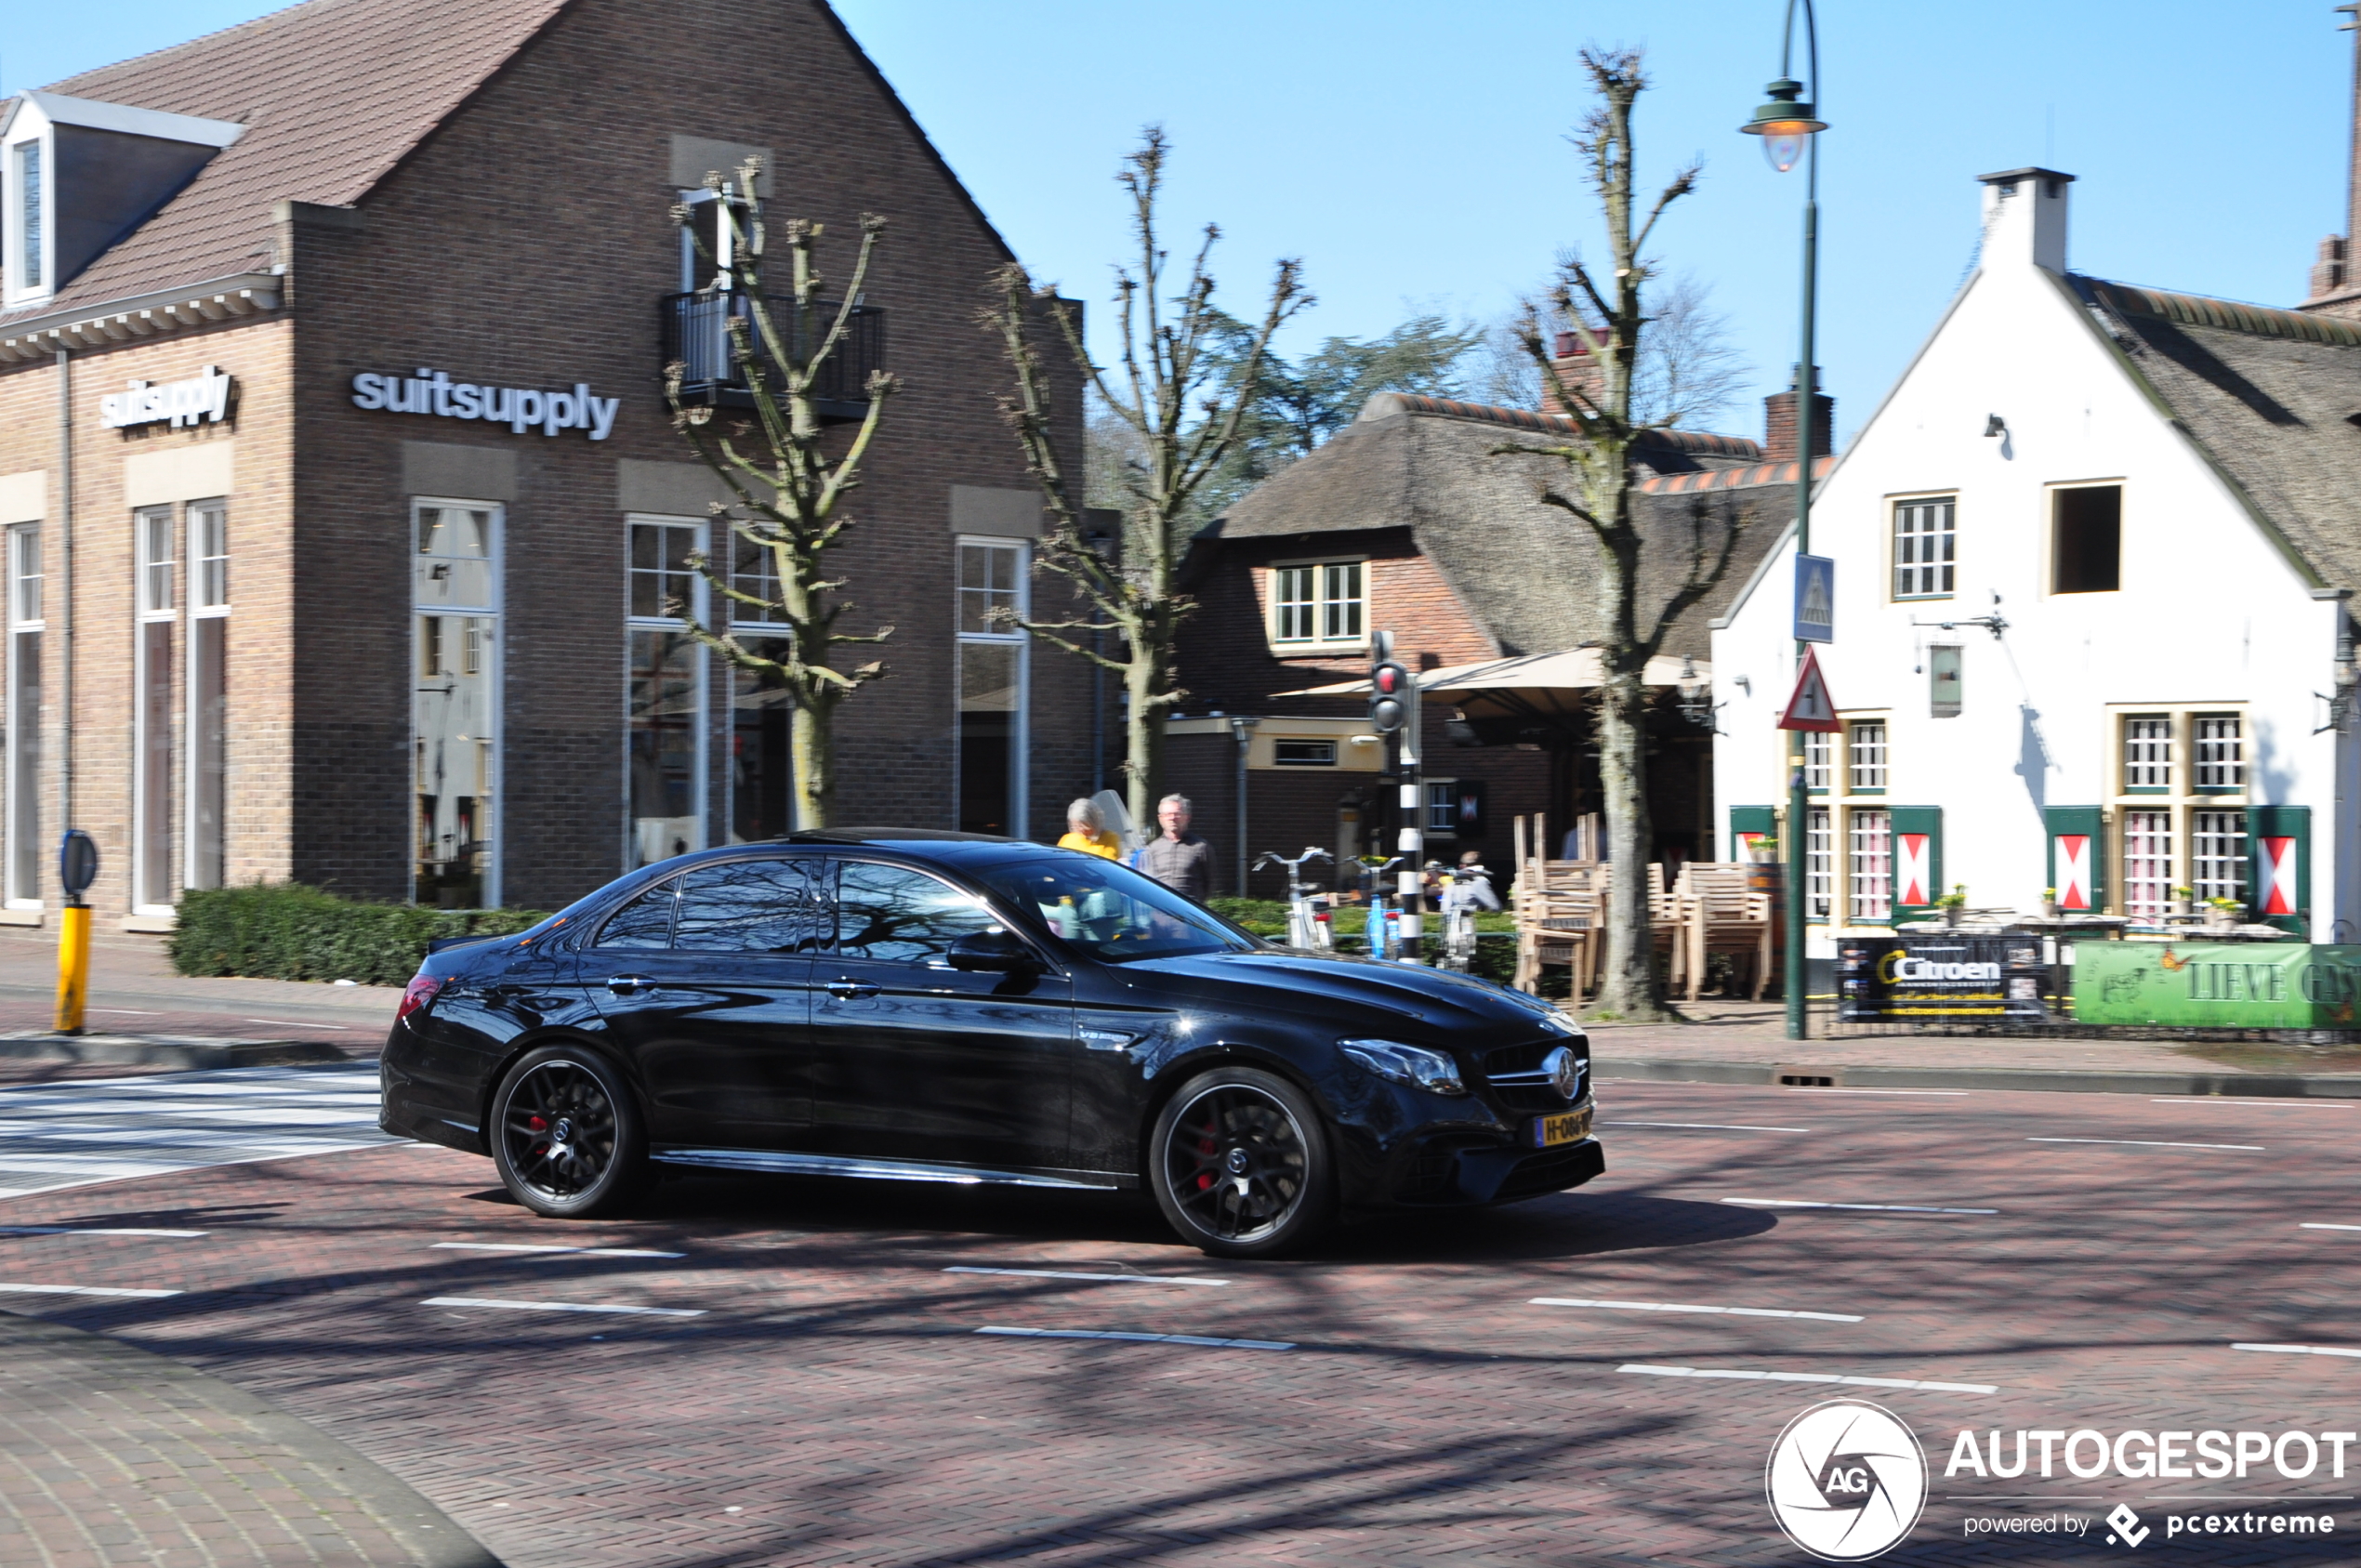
{"x": 2156, "y": 498}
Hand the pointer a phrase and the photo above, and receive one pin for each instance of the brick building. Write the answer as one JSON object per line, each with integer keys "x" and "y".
{"x": 341, "y": 493}
{"x": 1406, "y": 522}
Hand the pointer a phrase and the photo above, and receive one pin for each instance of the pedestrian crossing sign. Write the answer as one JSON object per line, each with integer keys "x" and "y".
{"x": 1811, "y": 708}
{"x": 1815, "y": 598}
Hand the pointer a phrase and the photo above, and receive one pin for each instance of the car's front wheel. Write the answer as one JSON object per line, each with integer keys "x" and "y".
{"x": 1239, "y": 1165}
{"x": 566, "y": 1135}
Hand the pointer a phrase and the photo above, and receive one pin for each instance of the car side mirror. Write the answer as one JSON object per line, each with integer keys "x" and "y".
{"x": 997, "y": 952}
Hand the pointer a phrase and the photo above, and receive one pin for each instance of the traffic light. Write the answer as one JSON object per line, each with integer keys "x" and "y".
{"x": 1389, "y": 697}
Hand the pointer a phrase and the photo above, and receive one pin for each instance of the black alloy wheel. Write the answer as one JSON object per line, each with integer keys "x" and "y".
{"x": 1240, "y": 1165}
{"x": 566, "y": 1136}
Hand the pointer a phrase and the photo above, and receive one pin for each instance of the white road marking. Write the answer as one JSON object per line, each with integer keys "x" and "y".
{"x": 1704, "y": 1127}
{"x": 2242, "y": 1100}
{"x": 68, "y": 1135}
{"x": 91, "y": 1230}
{"x": 575, "y": 1251}
{"x": 129, "y": 1012}
{"x": 2300, "y": 1349}
{"x": 79, "y": 1290}
{"x": 1678, "y": 1307}
{"x": 559, "y": 1307}
{"x": 1821, "y": 1088}
{"x": 1143, "y": 1338}
{"x": 1808, "y": 1378}
{"x": 291, "y": 1023}
{"x": 1887, "y": 1209}
{"x": 1062, "y": 1274}
{"x": 2153, "y": 1144}
{"x": 2323, "y": 1225}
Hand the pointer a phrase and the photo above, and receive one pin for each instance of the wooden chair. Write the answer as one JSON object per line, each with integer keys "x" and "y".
{"x": 1719, "y": 915}
{"x": 1557, "y": 928}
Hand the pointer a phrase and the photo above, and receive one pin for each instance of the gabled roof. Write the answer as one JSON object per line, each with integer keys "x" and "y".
{"x": 1524, "y": 570}
{"x": 334, "y": 94}
{"x": 2269, "y": 397}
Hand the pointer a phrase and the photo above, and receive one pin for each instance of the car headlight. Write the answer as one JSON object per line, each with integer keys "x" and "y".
{"x": 1407, "y": 1064}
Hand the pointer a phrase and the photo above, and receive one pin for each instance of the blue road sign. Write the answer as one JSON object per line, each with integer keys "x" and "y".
{"x": 1815, "y": 598}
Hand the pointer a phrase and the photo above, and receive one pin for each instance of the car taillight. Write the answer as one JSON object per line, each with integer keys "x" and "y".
{"x": 420, "y": 991}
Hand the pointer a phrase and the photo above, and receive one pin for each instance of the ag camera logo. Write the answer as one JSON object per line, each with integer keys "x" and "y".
{"x": 1846, "y": 1481}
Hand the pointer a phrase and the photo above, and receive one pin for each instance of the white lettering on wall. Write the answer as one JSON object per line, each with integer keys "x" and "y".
{"x": 201, "y": 397}
{"x": 520, "y": 408}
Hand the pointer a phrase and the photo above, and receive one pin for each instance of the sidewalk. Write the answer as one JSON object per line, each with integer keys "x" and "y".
{"x": 1745, "y": 1043}
{"x": 111, "y": 1455}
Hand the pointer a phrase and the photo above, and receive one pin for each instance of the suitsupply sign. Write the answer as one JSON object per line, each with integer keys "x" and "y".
{"x": 2222, "y": 985}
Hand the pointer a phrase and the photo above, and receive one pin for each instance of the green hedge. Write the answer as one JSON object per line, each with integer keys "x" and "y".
{"x": 289, "y": 931}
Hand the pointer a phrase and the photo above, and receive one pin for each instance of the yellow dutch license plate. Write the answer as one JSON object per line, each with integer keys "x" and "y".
{"x": 1548, "y": 1130}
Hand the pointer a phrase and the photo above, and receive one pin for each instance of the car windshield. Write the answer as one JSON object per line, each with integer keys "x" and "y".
{"x": 1111, "y": 912}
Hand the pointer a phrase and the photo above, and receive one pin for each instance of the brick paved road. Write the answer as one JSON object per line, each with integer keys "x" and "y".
{"x": 834, "y": 1402}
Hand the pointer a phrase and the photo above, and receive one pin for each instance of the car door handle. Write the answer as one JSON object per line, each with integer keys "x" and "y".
{"x": 629, "y": 985}
{"x": 851, "y": 990}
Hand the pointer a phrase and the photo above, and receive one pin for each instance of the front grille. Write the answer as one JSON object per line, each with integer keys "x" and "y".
{"x": 1549, "y": 1171}
{"x": 1513, "y": 1073}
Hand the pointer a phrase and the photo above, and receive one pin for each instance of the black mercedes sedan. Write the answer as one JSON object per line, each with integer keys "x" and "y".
{"x": 936, "y": 1007}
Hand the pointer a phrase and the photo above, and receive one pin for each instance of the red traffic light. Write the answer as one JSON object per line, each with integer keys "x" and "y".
{"x": 1389, "y": 680}
{"x": 1389, "y": 694}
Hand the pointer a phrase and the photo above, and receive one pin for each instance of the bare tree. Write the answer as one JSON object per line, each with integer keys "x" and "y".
{"x": 1182, "y": 404}
{"x": 1609, "y": 316}
{"x": 1689, "y": 372}
{"x": 790, "y": 494}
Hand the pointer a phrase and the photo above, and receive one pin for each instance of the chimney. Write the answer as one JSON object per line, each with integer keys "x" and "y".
{"x": 1778, "y": 422}
{"x": 2328, "y": 273}
{"x": 1576, "y": 368}
{"x": 2024, "y": 218}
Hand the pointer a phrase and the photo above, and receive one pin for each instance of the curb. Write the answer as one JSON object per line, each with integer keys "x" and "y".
{"x": 423, "y": 1531}
{"x": 2272, "y": 1085}
{"x": 167, "y": 1050}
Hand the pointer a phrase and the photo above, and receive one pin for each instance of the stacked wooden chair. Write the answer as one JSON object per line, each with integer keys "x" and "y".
{"x": 1719, "y": 913}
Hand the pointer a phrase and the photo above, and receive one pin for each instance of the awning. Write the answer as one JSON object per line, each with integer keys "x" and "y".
{"x": 1527, "y": 684}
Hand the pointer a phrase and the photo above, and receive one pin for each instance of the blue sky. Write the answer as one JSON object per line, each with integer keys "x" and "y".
{"x": 1413, "y": 155}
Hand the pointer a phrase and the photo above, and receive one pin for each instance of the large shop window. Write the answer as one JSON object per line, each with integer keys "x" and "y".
{"x": 761, "y": 707}
{"x": 992, "y": 687}
{"x": 209, "y": 676}
{"x": 454, "y": 713}
{"x": 152, "y": 869}
{"x": 25, "y": 628}
{"x": 663, "y": 721}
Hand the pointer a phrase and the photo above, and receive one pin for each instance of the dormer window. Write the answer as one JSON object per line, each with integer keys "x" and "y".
{"x": 77, "y": 176}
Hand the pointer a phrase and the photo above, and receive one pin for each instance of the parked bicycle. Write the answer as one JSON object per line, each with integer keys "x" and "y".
{"x": 1305, "y": 928}
{"x": 1384, "y": 939}
{"x": 1461, "y": 890}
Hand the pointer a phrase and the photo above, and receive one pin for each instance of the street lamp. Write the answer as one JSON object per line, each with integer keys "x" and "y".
{"x": 1788, "y": 125}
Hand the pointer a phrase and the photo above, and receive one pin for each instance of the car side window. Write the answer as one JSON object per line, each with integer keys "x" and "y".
{"x": 758, "y": 905}
{"x": 646, "y": 921}
{"x": 892, "y": 914}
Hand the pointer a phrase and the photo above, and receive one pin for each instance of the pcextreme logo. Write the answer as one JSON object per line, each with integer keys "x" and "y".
{"x": 1846, "y": 1481}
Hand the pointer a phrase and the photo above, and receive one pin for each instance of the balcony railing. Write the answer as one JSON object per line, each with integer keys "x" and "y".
{"x": 696, "y": 335}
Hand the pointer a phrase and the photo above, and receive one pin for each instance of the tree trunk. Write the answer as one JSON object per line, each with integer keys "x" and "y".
{"x": 1628, "y": 986}
{"x": 1143, "y": 750}
{"x": 813, "y": 740}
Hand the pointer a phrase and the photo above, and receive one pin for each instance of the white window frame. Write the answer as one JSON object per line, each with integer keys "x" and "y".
{"x": 700, "y": 595}
{"x": 1441, "y": 818}
{"x": 1868, "y": 901}
{"x": 1922, "y": 565}
{"x": 2136, "y": 904}
{"x": 21, "y": 624}
{"x": 1319, "y": 604}
{"x": 1880, "y": 749}
{"x": 2222, "y": 754}
{"x": 1020, "y": 726}
{"x": 2180, "y": 801}
{"x": 496, "y": 608}
{"x": 202, "y": 607}
{"x": 157, "y": 603}
{"x": 1819, "y": 862}
{"x": 12, "y": 216}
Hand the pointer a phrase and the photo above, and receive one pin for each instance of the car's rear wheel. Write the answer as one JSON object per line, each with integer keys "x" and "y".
{"x": 1239, "y": 1165}
{"x": 566, "y": 1135}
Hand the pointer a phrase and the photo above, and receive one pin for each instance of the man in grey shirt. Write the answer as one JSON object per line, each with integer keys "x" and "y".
{"x": 1176, "y": 857}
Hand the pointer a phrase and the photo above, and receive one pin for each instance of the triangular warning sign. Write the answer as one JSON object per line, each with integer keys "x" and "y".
{"x": 1811, "y": 708}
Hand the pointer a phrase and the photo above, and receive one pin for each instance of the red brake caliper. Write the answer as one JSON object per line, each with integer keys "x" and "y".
{"x": 1205, "y": 1147}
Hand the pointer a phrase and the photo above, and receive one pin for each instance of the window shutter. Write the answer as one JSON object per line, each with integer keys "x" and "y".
{"x": 2279, "y": 879}
{"x": 1918, "y": 858}
{"x": 1751, "y": 822}
{"x": 2078, "y": 865}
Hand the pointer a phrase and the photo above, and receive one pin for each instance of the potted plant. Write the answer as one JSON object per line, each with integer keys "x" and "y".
{"x": 2182, "y": 897}
{"x": 2048, "y": 903}
{"x": 2223, "y": 914}
{"x": 1953, "y": 903}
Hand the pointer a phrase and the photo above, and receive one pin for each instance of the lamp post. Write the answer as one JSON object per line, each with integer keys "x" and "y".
{"x": 1788, "y": 125}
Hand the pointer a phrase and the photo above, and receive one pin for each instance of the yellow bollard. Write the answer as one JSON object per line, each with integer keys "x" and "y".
{"x": 74, "y": 967}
